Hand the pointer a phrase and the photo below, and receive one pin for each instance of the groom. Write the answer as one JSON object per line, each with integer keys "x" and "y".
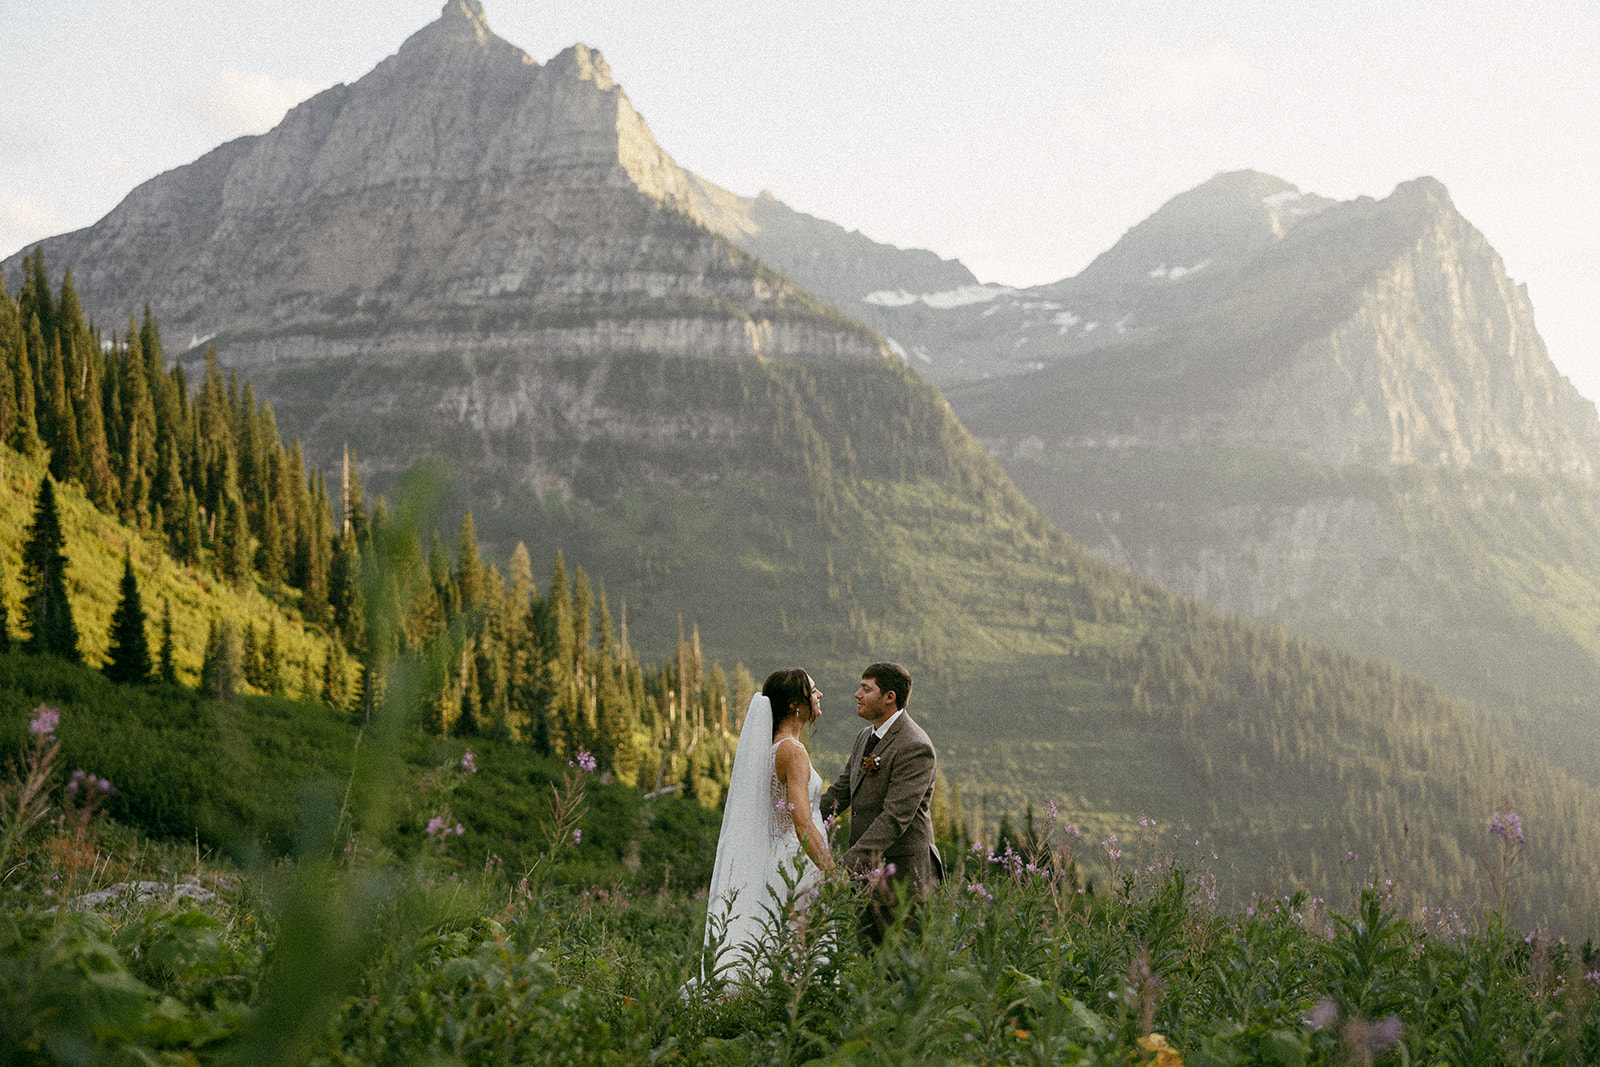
{"x": 888, "y": 785}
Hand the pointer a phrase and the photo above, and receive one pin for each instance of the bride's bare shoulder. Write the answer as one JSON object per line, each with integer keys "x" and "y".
{"x": 790, "y": 755}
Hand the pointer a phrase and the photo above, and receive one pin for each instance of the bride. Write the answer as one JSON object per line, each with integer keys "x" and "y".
{"x": 772, "y": 818}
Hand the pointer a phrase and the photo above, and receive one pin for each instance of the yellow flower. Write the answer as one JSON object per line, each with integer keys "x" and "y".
{"x": 1165, "y": 1054}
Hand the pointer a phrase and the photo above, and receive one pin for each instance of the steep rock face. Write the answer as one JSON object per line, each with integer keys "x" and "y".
{"x": 935, "y": 314}
{"x": 1355, "y": 431}
{"x": 1374, "y": 332}
{"x": 459, "y": 194}
{"x": 453, "y": 257}
{"x": 1181, "y": 258}
{"x": 1439, "y": 363}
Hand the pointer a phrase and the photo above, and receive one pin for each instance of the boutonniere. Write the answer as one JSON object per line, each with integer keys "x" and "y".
{"x": 870, "y": 764}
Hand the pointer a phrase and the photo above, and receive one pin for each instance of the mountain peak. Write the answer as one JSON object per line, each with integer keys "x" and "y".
{"x": 1423, "y": 194}
{"x": 460, "y": 31}
{"x": 457, "y": 192}
{"x": 472, "y": 10}
{"x": 1207, "y": 230}
{"x": 468, "y": 12}
{"x": 583, "y": 63}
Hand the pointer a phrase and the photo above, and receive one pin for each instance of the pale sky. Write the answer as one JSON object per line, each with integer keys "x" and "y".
{"x": 1021, "y": 136}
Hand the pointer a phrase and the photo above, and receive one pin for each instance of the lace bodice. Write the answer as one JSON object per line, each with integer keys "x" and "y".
{"x": 781, "y": 823}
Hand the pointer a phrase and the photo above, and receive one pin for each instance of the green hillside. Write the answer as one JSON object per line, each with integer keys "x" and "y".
{"x": 1358, "y": 436}
{"x": 845, "y": 516}
{"x": 1496, "y": 572}
{"x": 97, "y": 543}
{"x": 250, "y": 588}
{"x": 248, "y": 778}
{"x": 1043, "y": 674}
{"x": 768, "y": 513}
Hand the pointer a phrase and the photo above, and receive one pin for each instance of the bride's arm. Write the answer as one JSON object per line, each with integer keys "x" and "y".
{"x": 794, "y": 771}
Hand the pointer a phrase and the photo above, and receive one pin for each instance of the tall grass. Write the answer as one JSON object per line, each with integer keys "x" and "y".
{"x": 341, "y": 954}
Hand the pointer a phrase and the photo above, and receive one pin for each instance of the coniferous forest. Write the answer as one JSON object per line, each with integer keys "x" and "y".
{"x": 203, "y": 477}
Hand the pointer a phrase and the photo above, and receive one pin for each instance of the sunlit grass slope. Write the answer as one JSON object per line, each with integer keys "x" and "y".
{"x": 96, "y": 543}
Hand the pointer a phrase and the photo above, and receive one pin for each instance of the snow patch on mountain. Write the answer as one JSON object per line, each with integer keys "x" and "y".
{"x": 1173, "y": 274}
{"x": 943, "y": 301}
{"x": 918, "y": 352}
{"x": 891, "y": 298}
{"x": 1294, "y": 202}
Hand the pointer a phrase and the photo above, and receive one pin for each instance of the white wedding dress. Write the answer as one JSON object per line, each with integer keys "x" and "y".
{"x": 758, "y": 849}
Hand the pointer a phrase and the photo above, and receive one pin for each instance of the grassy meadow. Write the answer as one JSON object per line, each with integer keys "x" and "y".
{"x": 570, "y": 932}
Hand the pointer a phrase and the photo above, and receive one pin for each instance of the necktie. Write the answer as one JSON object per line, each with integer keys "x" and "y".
{"x": 872, "y": 743}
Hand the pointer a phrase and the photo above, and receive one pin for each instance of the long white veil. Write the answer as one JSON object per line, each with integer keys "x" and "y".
{"x": 744, "y": 848}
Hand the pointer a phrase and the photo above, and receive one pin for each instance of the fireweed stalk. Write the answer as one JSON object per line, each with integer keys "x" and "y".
{"x": 23, "y": 801}
{"x": 76, "y": 849}
{"x": 1506, "y": 826}
{"x": 567, "y": 809}
{"x": 435, "y": 788}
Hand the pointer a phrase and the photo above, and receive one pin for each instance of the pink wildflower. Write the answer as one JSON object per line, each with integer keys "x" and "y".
{"x": 1506, "y": 825}
{"x": 469, "y": 762}
{"x": 45, "y": 721}
{"x": 1386, "y": 1033}
{"x": 1324, "y": 1015}
{"x": 88, "y": 783}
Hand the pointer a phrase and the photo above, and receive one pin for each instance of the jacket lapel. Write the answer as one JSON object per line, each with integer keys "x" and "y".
{"x": 855, "y": 758}
{"x": 878, "y": 750}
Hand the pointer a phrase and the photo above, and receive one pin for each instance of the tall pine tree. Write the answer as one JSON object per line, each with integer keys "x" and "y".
{"x": 45, "y": 610}
{"x": 167, "y": 671}
{"x": 130, "y": 645}
{"x": 220, "y": 670}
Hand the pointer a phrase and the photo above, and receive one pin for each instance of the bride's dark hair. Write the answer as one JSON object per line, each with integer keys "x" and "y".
{"x": 789, "y": 691}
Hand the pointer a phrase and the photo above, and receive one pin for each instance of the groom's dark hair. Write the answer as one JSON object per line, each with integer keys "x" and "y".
{"x": 889, "y": 676}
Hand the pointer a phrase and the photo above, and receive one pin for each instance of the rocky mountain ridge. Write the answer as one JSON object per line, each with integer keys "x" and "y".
{"x": 1372, "y": 330}
{"x": 1375, "y": 332}
{"x": 1335, "y": 416}
{"x": 460, "y": 194}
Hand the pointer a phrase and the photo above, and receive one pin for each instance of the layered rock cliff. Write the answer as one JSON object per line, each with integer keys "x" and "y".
{"x": 458, "y": 197}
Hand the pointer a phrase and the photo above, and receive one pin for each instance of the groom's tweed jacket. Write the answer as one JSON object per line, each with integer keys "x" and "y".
{"x": 890, "y": 820}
